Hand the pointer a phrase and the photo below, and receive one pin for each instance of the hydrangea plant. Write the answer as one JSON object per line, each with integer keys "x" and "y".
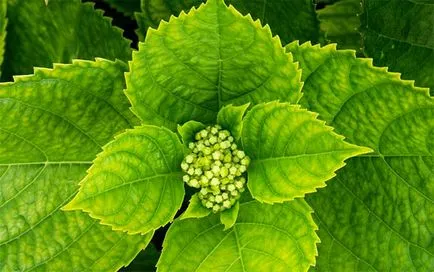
{"x": 229, "y": 137}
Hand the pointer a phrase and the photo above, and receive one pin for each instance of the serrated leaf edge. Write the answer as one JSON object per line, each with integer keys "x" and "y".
{"x": 332, "y": 47}
{"x": 358, "y": 150}
{"x": 98, "y": 158}
{"x": 257, "y": 23}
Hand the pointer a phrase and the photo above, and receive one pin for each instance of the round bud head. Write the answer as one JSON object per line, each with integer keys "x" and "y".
{"x": 216, "y": 166}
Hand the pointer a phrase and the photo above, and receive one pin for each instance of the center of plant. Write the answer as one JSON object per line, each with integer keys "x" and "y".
{"x": 217, "y": 167}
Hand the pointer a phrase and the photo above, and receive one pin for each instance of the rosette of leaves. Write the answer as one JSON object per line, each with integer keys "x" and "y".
{"x": 204, "y": 68}
{"x": 135, "y": 185}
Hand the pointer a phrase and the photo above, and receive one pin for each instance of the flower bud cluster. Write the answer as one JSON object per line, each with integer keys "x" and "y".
{"x": 216, "y": 166}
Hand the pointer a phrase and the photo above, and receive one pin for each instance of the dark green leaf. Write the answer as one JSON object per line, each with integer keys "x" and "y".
{"x": 399, "y": 34}
{"x": 40, "y": 35}
{"x": 290, "y": 19}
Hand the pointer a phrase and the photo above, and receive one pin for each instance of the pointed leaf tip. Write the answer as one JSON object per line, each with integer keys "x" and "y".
{"x": 293, "y": 153}
{"x": 136, "y": 179}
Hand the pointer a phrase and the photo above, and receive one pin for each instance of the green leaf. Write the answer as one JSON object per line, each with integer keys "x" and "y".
{"x": 195, "y": 209}
{"x": 3, "y": 24}
{"x": 128, "y": 7}
{"x": 376, "y": 215}
{"x": 145, "y": 261}
{"x": 192, "y": 66}
{"x": 231, "y": 118}
{"x": 290, "y": 20}
{"x": 141, "y": 171}
{"x": 399, "y": 34}
{"x": 292, "y": 152}
{"x": 229, "y": 217}
{"x": 52, "y": 125}
{"x": 40, "y": 34}
{"x": 188, "y": 131}
{"x": 154, "y": 11}
{"x": 341, "y": 22}
{"x": 279, "y": 237}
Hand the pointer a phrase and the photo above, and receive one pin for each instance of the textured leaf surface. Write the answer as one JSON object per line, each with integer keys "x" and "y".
{"x": 195, "y": 64}
{"x": 377, "y": 214}
{"x": 341, "y": 22}
{"x": 52, "y": 125}
{"x": 279, "y": 237}
{"x": 128, "y": 7}
{"x": 291, "y": 20}
{"x": 141, "y": 171}
{"x": 231, "y": 118}
{"x": 292, "y": 152}
{"x": 40, "y": 34}
{"x": 195, "y": 209}
{"x": 399, "y": 34}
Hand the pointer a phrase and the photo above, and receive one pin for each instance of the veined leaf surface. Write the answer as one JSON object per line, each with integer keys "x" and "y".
{"x": 135, "y": 184}
{"x": 292, "y": 152}
{"x": 52, "y": 125}
{"x": 279, "y": 237}
{"x": 377, "y": 214}
{"x": 195, "y": 64}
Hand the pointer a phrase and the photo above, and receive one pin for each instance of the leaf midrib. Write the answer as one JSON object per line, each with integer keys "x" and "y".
{"x": 290, "y": 157}
{"x": 145, "y": 179}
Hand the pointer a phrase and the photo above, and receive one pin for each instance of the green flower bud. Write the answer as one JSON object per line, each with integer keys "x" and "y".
{"x": 216, "y": 167}
{"x": 231, "y": 187}
{"x": 219, "y": 199}
{"x": 184, "y": 166}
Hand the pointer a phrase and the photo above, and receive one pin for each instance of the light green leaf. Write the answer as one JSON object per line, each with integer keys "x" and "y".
{"x": 141, "y": 171}
{"x": 128, "y": 7}
{"x": 195, "y": 209}
{"x": 192, "y": 66}
{"x": 341, "y": 22}
{"x": 231, "y": 118}
{"x": 279, "y": 237}
{"x": 228, "y": 217}
{"x": 40, "y": 34}
{"x": 290, "y": 20}
{"x": 292, "y": 152}
{"x": 399, "y": 34}
{"x": 188, "y": 131}
{"x": 145, "y": 261}
{"x": 52, "y": 124}
{"x": 376, "y": 215}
